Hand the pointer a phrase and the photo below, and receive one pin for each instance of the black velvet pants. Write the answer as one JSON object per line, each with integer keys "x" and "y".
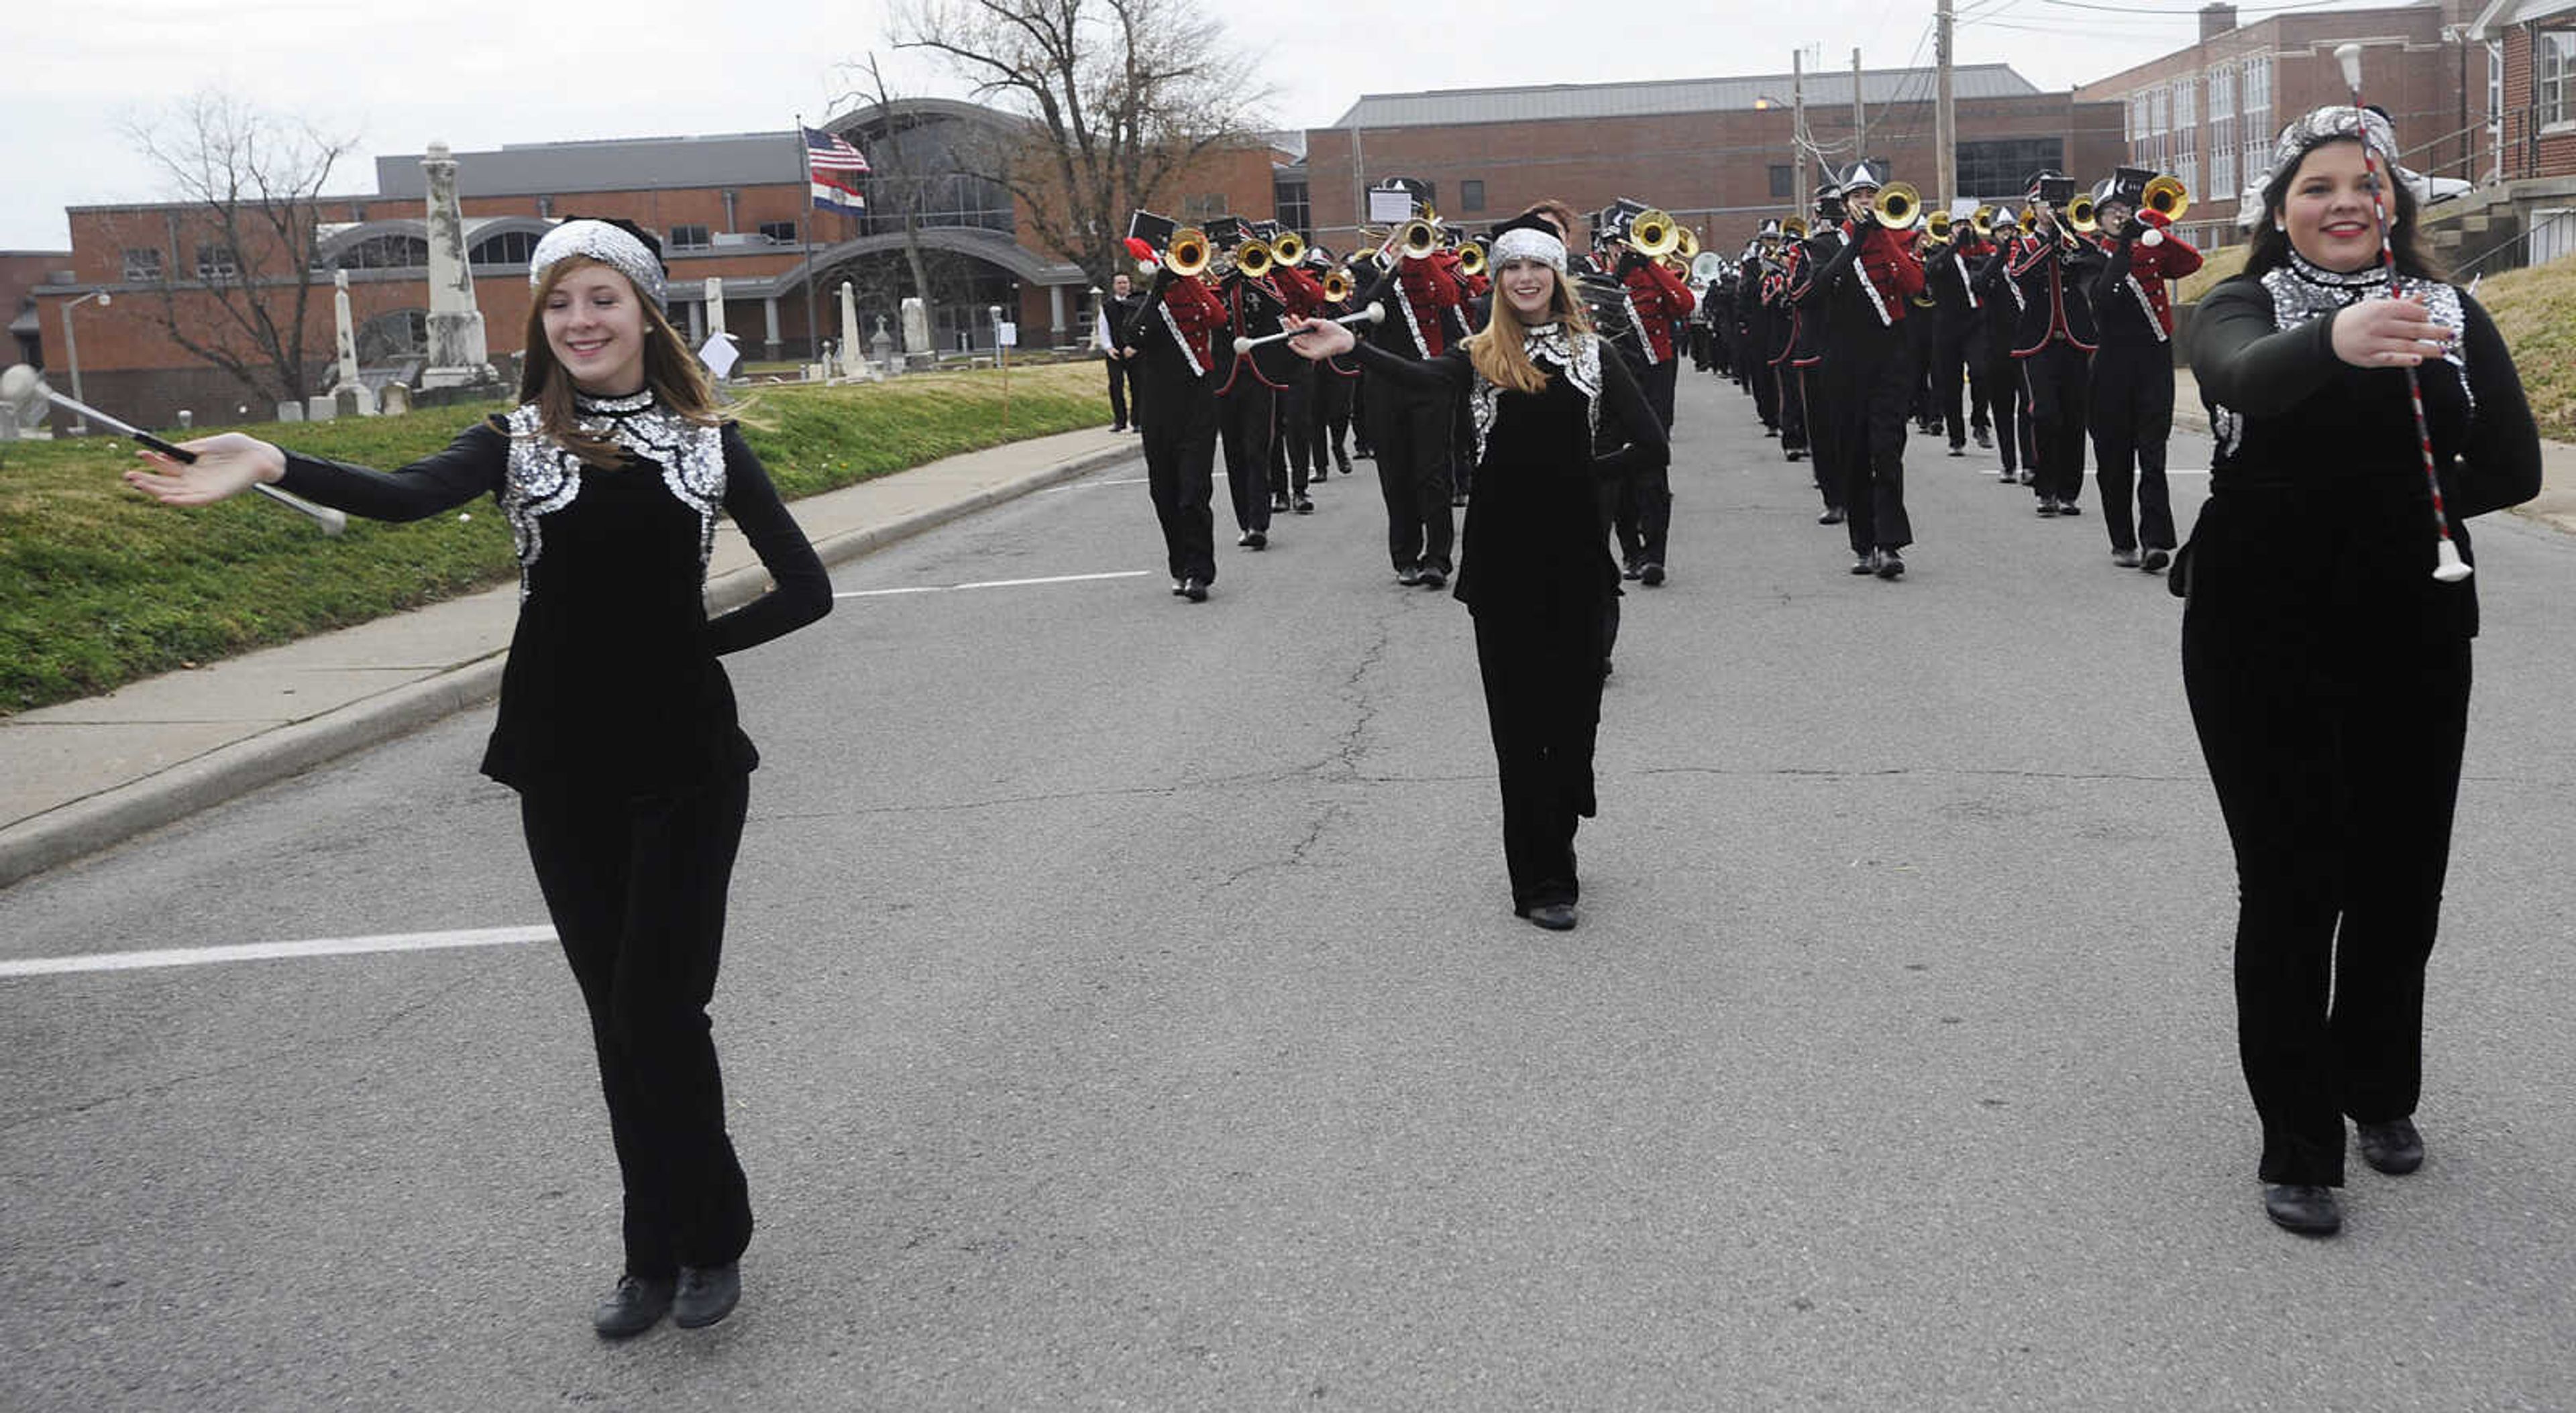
{"x": 1958, "y": 371}
{"x": 2057, "y": 380}
{"x": 1290, "y": 448}
{"x": 1409, "y": 427}
{"x": 636, "y": 888}
{"x": 1247, "y": 419}
{"x": 1644, "y": 509}
{"x": 2132, "y": 415}
{"x": 2008, "y": 403}
{"x": 2335, "y": 749}
{"x": 1542, "y": 671}
{"x": 1869, "y": 391}
{"x": 1328, "y": 421}
{"x": 1180, "y": 470}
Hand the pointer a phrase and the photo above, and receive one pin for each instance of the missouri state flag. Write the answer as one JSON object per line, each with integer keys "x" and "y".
{"x": 832, "y": 170}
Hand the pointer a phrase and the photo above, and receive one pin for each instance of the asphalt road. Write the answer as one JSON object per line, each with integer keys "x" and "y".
{"x": 1123, "y": 1008}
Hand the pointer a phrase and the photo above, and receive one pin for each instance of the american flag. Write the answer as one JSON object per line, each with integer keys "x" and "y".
{"x": 832, "y": 170}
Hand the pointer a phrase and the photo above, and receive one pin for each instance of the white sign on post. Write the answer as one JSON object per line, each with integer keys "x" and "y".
{"x": 717, "y": 353}
{"x": 1387, "y": 208}
{"x": 1007, "y": 335}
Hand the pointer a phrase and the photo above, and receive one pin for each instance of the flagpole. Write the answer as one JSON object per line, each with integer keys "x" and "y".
{"x": 805, "y": 226}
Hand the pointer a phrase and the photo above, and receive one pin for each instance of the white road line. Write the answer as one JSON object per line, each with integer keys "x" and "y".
{"x": 994, "y": 584}
{"x": 268, "y": 951}
{"x": 1087, "y": 485}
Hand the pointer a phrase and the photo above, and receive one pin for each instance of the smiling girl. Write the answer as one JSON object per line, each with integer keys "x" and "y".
{"x": 1536, "y": 571}
{"x": 616, "y": 724}
{"x": 2327, "y": 669}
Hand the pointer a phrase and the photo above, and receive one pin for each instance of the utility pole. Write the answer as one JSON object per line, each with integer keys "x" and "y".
{"x": 1860, "y": 118}
{"x": 1945, "y": 113}
{"x": 1798, "y": 145}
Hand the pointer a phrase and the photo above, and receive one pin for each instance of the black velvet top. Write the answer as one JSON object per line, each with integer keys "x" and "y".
{"x": 612, "y": 681}
{"x": 2318, "y": 501}
{"x": 1534, "y": 528}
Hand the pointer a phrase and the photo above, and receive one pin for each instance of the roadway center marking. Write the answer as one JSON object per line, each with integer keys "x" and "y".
{"x": 993, "y": 584}
{"x": 268, "y": 951}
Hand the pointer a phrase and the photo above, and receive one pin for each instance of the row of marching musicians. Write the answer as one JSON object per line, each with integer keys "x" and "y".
{"x": 2056, "y": 327}
{"x": 1203, "y": 343}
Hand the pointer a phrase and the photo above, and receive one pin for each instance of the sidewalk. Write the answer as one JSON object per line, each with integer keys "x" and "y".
{"x": 85, "y": 775}
{"x": 2554, "y": 506}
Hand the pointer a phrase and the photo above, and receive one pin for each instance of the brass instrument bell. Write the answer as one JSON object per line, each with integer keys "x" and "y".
{"x": 2079, "y": 214}
{"x": 1417, "y": 239}
{"x": 1289, "y": 248}
{"x": 1337, "y": 285}
{"x": 1654, "y": 234}
{"x": 1899, "y": 206}
{"x": 1983, "y": 221}
{"x": 1189, "y": 252}
{"x": 1794, "y": 228}
{"x": 1472, "y": 258}
{"x": 2167, "y": 197}
{"x": 1937, "y": 225}
{"x": 1253, "y": 257}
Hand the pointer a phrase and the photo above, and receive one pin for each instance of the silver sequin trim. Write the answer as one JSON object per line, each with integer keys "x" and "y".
{"x": 544, "y": 477}
{"x": 1576, "y": 359}
{"x": 2301, "y": 291}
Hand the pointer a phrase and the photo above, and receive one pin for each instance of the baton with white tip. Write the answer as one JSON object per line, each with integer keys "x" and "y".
{"x": 1359, "y": 320}
{"x": 24, "y": 388}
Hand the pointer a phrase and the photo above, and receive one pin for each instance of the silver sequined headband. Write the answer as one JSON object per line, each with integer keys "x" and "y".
{"x": 2324, "y": 125}
{"x": 1522, "y": 243}
{"x": 601, "y": 242}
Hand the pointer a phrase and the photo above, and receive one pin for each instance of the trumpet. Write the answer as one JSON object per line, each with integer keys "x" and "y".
{"x": 1937, "y": 226}
{"x": 1188, "y": 252}
{"x": 1337, "y": 285}
{"x": 2029, "y": 219}
{"x": 1794, "y": 228}
{"x": 1654, "y": 234}
{"x": 2168, "y": 198}
{"x": 1472, "y": 258}
{"x": 1254, "y": 257}
{"x": 1983, "y": 221}
{"x": 1688, "y": 250}
{"x": 1899, "y": 206}
{"x": 2079, "y": 214}
{"x": 1289, "y": 248}
{"x": 1416, "y": 239}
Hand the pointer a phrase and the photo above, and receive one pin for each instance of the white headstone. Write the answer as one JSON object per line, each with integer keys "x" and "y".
{"x": 458, "y": 354}
{"x": 346, "y": 327}
{"x": 849, "y": 331}
{"x": 715, "y": 306}
{"x": 320, "y": 407}
{"x": 916, "y": 331}
{"x": 290, "y": 412}
{"x": 396, "y": 400}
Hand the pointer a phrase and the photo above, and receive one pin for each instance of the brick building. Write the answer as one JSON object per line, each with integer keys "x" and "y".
{"x": 2530, "y": 63}
{"x": 733, "y": 206}
{"x": 2209, "y": 113}
{"x": 1719, "y": 153}
{"x": 22, "y": 273}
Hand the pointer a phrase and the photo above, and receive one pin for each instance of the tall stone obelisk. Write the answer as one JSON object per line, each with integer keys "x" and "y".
{"x": 458, "y": 356}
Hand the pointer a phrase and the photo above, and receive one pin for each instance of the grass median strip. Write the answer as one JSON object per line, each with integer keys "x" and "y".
{"x": 99, "y": 587}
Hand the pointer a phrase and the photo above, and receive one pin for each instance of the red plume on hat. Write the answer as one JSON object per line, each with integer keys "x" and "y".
{"x": 1137, "y": 246}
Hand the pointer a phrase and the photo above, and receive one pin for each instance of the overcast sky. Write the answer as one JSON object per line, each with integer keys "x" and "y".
{"x": 397, "y": 76}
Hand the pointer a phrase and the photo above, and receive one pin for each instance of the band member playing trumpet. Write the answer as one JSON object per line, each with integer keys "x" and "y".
{"x": 2325, "y": 643}
{"x": 1862, "y": 293}
{"x": 1409, "y": 423}
{"x": 2132, "y": 391}
{"x": 1633, "y": 245}
{"x": 1174, "y": 332}
{"x": 1328, "y": 403}
{"x": 1959, "y": 328}
{"x": 1248, "y": 388}
{"x": 2054, "y": 338}
{"x": 1537, "y": 568}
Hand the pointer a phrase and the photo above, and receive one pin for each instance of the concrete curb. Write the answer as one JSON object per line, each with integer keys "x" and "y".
{"x": 111, "y": 817}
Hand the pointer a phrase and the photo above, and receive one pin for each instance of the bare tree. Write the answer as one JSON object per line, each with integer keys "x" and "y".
{"x": 898, "y": 190}
{"x": 1120, "y": 96}
{"x": 252, "y": 183}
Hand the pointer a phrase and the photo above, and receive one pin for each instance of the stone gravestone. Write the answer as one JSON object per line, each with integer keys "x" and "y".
{"x": 849, "y": 359}
{"x": 917, "y": 351}
{"x": 321, "y": 407}
{"x": 350, "y": 395}
{"x": 882, "y": 348}
{"x": 290, "y": 412}
{"x": 458, "y": 355}
{"x": 395, "y": 400}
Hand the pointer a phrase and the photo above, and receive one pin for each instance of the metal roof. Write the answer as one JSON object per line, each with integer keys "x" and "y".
{"x": 617, "y": 164}
{"x": 1825, "y": 88}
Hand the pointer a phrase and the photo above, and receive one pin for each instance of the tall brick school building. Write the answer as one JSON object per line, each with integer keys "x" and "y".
{"x": 1717, "y": 152}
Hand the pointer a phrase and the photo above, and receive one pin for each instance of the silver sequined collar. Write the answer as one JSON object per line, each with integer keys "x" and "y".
{"x": 545, "y": 476}
{"x": 2302, "y": 290}
{"x": 1576, "y": 356}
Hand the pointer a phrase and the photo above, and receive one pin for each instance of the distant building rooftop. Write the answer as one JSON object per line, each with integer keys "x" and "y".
{"x": 1825, "y": 88}
{"x": 615, "y": 164}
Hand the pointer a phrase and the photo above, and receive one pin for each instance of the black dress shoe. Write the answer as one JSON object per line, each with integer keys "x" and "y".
{"x": 2048, "y": 506}
{"x": 1304, "y": 506}
{"x": 1864, "y": 563}
{"x": 1890, "y": 564}
{"x": 1195, "y": 590}
{"x": 2069, "y": 508}
{"x": 1555, "y": 917}
{"x": 1279, "y": 505}
{"x": 1833, "y": 516}
{"x": 1957, "y": 449}
{"x": 2155, "y": 559}
{"x": 1631, "y": 570}
{"x": 1984, "y": 439}
{"x": 2302, "y": 1208}
{"x": 1256, "y": 539}
{"x": 1650, "y": 574}
{"x": 635, "y": 1306}
{"x": 1178, "y": 589}
{"x": 2029, "y": 477}
{"x": 707, "y": 1294}
{"x": 1409, "y": 575}
{"x": 1433, "y": 577}
{"x": 1795, "y": 454}
{"x": 2395, "y": 1148}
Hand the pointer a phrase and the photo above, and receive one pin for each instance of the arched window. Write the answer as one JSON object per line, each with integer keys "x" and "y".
{"x": 386, "y": 252}
{"x": 393, "y": 337}
{"x": 507, "y": 248}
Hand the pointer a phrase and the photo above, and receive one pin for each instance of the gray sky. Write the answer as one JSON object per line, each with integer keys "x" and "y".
{"x": 398, "y": 76}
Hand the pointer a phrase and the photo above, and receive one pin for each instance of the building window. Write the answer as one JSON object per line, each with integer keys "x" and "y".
{"x": 1471, "y": 196}
{"x": 1784, "y": 181}
{"x": 217, "y": 262}
{"x": 2185, "y": 92}
{"x": 386, "y": 252}
{"x": 2257, "y": 108}
{"x": 2222, "y": 171}
{"x": 690, "y": 238}
{"x": 2001, "y": 168}
{"x": 507, "y": 248}
{"x": 1290, "y": 206}
{"x": 2187, "y": 167}
{"x": 2222, "y": 93}
{"x": 2553, "y": 75}
{"x": 143, "y": 267}
{"x": 2256, "y": 163}
{"x": 783, "y": 232}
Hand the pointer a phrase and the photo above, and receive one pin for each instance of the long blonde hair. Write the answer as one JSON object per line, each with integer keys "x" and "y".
{"x": 669, "y": 370}
{"x": 1500, "y": 350}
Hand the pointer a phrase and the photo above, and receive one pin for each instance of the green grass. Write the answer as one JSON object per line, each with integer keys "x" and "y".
{"x": 100, "y": 587}
{"x": 2535, "y": 310}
